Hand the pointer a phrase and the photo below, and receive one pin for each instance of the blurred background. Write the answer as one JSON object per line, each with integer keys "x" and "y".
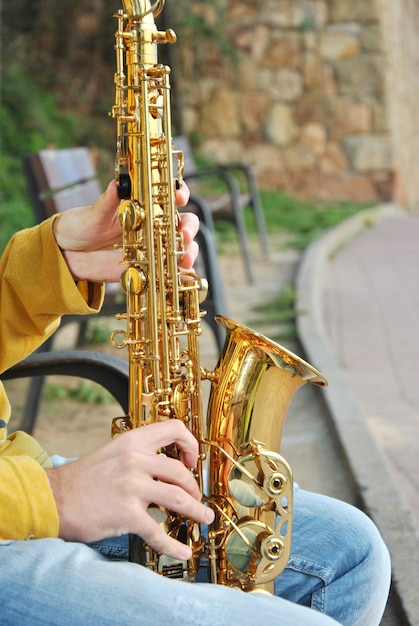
{"x": 320, "y": 96}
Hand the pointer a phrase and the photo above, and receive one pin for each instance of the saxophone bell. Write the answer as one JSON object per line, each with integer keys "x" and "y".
{"x": 251, "y": 484}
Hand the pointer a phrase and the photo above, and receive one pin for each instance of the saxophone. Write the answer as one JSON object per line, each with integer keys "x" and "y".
{"x": 240, "y": 472}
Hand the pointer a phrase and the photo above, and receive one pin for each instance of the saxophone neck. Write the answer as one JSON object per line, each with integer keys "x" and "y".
{"x": 138, "y": 31}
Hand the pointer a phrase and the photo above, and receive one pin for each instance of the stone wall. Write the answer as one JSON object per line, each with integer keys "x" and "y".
{"x": 301, "y": 95}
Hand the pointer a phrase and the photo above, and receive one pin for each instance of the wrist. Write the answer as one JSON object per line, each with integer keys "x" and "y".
{"x": 67, "y": 528}
{"x": 59, "y": 240}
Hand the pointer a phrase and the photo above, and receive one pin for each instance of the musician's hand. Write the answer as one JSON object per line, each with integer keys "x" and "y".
{"x": 106, "y": 493}
{"x": 86, "y": 236}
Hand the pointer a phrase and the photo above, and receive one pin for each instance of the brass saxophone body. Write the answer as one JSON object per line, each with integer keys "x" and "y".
{"x": 240, "y": 472}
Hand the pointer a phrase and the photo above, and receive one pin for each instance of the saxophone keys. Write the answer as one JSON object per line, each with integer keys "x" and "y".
{"x": 196, "y": 533}
{"x": 133, "y": 280}
{"x": 130, "y": 214}
{"x": 119, "y": 339}
{"x": 167, "y": 36}
{"x": 275, "y": 484}
{"x": 120, "y": 425}
{"x": 272, "y": 548}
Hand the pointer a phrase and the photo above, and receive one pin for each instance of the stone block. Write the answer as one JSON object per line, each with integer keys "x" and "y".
{"x": 353, "y": 10}
{"x": 244, "y": 13}
{"x": 284, "y": 51}
{"x": 361, "y": 76}
{"x": 371, "y": 37}
{"x": 335, "y": 45}
{"x": 299, "y": 157}
{"x": 219, "y": 114}
{"x": 333, "y": 160}
{"x": 313, "y": 137}
{"x": 253, "y": 41}
{"x": 222, "y": 150}
{"x": 265, "y": 157}
{"x": 367, "y": 153}
{"x": 281, "y": 128}
{"x": 285, "y": 84}
{"x": 349, "y": 118}
{"x": 283, "y": 13}
{"x": 312, "y": 106}
{"x": 313, "y": 69}
{"x": 323, "y": 186}
{"x": 254, "y": 106}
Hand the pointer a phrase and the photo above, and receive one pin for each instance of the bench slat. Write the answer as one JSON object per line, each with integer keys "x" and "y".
{"x": 66, "y": 167}
{"x": 82, "y": 194}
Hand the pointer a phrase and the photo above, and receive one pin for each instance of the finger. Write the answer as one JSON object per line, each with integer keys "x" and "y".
{"x": 105, "y": 214}
{"x": 98, "y": 266}
{"x": 105, "y": 207}
{"x": 173, "y": 471}
{"x": 155, "y": 536}
{"x": 176, "y": 499}
{"x": 190, "y": 226}
{"x": 111, "y": 193}
{"x": 161, "y": 434}
{"x": 182, "y": 195}
{"x": 189, "y": 257}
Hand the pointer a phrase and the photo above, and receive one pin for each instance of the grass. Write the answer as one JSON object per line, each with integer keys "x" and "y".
{"x": 304, "y": 220}
{"x": 83, "y": 392}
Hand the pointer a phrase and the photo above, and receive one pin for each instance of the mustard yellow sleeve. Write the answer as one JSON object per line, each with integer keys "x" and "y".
{"x": 36, "y": 289}
{"x": 27, "y": 506}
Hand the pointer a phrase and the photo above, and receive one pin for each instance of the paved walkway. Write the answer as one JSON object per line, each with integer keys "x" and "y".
{"x": 372, "y": 318}
{"x": 358, "y": 292}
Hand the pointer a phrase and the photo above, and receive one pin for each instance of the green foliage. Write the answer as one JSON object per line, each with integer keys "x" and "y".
{"x": 99, "y": 331}
{"x": 205, "y": 24}
{"x": 29, "y": 121}
{"x": 31, "y": 117}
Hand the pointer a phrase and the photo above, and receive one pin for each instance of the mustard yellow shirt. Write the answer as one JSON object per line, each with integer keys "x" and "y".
{"x": 36, "y": 289}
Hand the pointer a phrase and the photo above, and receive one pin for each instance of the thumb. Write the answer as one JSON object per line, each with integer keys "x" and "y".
{"x": 109, "y": 200}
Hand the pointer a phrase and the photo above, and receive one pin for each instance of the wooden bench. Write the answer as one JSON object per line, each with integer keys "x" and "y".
{"x": 229, "y": 206}
{"x": 62, "y": 179}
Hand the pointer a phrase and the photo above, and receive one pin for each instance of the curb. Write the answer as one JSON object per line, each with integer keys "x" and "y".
{"x": 370, "y": 471}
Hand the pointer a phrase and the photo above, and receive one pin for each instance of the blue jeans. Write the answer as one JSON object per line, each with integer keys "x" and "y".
{"x": 339, "y": 567}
